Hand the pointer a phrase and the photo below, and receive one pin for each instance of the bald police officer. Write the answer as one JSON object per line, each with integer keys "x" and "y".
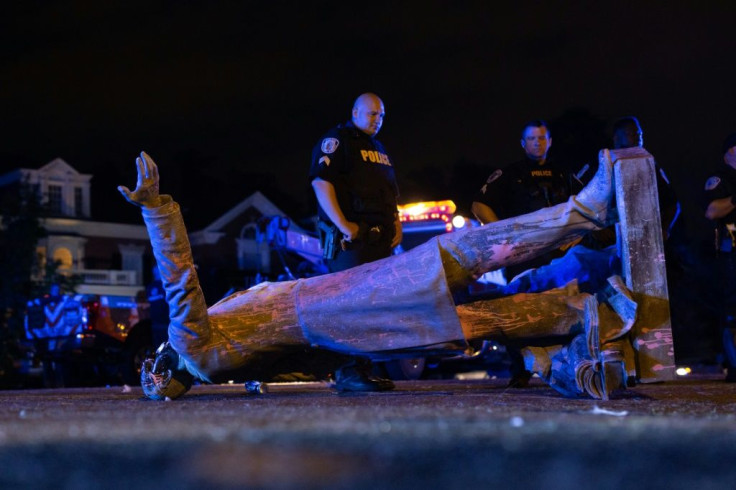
{"x": 355, "y": 184}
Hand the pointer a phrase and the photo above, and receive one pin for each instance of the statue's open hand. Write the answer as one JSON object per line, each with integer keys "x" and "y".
{"x": 146, "y": 188}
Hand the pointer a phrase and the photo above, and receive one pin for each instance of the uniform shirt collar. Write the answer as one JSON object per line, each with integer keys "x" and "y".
{"x": 535, "y": 164}
{"x": 350, "y": 125}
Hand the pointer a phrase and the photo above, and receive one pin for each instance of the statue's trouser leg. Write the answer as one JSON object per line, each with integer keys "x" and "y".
{"x": 470, "y": 253}
{"x": 524, "y": 317}
{"x": 573, "y": 368}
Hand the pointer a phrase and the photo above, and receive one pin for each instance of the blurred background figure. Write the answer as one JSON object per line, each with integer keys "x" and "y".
{"x": 159, "y": 308}
{"x": 720, "y": 192}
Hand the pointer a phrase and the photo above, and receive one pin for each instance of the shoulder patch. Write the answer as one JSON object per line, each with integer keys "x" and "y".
{"x": 329, "y": 145}
{"x": 494, "y": 176}
{"x": 712, "y": 183}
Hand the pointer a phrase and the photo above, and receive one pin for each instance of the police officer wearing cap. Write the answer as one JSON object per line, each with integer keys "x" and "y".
{"x": 720, "y": 191}
{"x": 355, "y": 184}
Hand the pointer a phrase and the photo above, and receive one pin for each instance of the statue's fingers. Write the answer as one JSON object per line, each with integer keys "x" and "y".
{"x": 141, "y": 170}
{"x": 151, "y": 170}
{"x": 124, "y": 191}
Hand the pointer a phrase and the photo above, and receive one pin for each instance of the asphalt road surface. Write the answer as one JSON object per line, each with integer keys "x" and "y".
{"x": 425, "y": 434}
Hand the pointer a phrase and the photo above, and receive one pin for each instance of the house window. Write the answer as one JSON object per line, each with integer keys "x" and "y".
{"x": 78, "y": 202}
{"x": 54, "y": 196}
{"x": 63, "y": 257}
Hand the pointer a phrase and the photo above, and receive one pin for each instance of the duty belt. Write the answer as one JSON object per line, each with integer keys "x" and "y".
{"x": 367, "y": 234}
{"x": 371, "y": 233}
{"x": 330, "y": 237}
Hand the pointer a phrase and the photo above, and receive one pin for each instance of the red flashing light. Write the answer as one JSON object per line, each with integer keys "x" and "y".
{"x": 427, "y": 210}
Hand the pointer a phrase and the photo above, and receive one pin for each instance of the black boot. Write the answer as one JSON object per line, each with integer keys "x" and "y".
{"x": 357, "y": 376}
{"x": 519, "y": 375}
{"x": 729, "y": 349}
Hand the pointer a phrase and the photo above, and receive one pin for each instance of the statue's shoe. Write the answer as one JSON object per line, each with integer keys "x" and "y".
{"x": 594, "y": 200}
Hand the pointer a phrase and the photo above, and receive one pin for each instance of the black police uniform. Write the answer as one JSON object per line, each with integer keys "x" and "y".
{"x": 360, "y": 170}
{"x": 669, "y": 210}
{"x": 362, "y": 174}
{"x": 524, "y": 187}
{"x": 720, "y": 185}
{"x": 521, "y": 188}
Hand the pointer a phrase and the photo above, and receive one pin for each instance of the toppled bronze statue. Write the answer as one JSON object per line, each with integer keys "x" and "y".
{"x": 398, "y": 305}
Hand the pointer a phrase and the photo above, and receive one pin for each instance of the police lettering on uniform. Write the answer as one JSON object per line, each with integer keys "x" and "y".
{"x": 720, "y": 192}
{"x": 523, "y": 187}
{"x": 354, "y": 181}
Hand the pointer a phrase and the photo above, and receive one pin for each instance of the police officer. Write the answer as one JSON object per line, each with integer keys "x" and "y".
{"x": 720, "y": 191}
{"x": 627, "y": 133}
{"x": 524, "y": 186}
{"x": 527, "y": 185}
{"x": 355, "y": 184}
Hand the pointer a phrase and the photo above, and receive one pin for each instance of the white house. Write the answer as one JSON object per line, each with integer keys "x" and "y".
{"x": 82, "y": 246}
{"x": 242, "y": 244}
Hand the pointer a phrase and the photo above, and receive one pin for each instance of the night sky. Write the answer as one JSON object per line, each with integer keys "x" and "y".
{"x": 230, "y": 97}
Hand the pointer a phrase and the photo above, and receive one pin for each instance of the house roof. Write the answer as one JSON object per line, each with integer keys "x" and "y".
{"x": 58, "y": 166}
{"x": 55, "y": 168}
{"x": 214, "y": 231}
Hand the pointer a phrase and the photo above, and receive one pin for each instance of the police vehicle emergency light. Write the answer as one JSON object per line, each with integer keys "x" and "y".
{"x": 422, "y": 220}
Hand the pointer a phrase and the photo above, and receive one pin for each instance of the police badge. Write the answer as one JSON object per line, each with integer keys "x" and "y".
{"x": 329, "y": 145}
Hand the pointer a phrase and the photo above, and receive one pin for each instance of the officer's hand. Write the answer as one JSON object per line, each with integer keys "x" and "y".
{"x": 398, "y": 233}
{"x": 146, "y": 190}
{"x": 351, "y": 231}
